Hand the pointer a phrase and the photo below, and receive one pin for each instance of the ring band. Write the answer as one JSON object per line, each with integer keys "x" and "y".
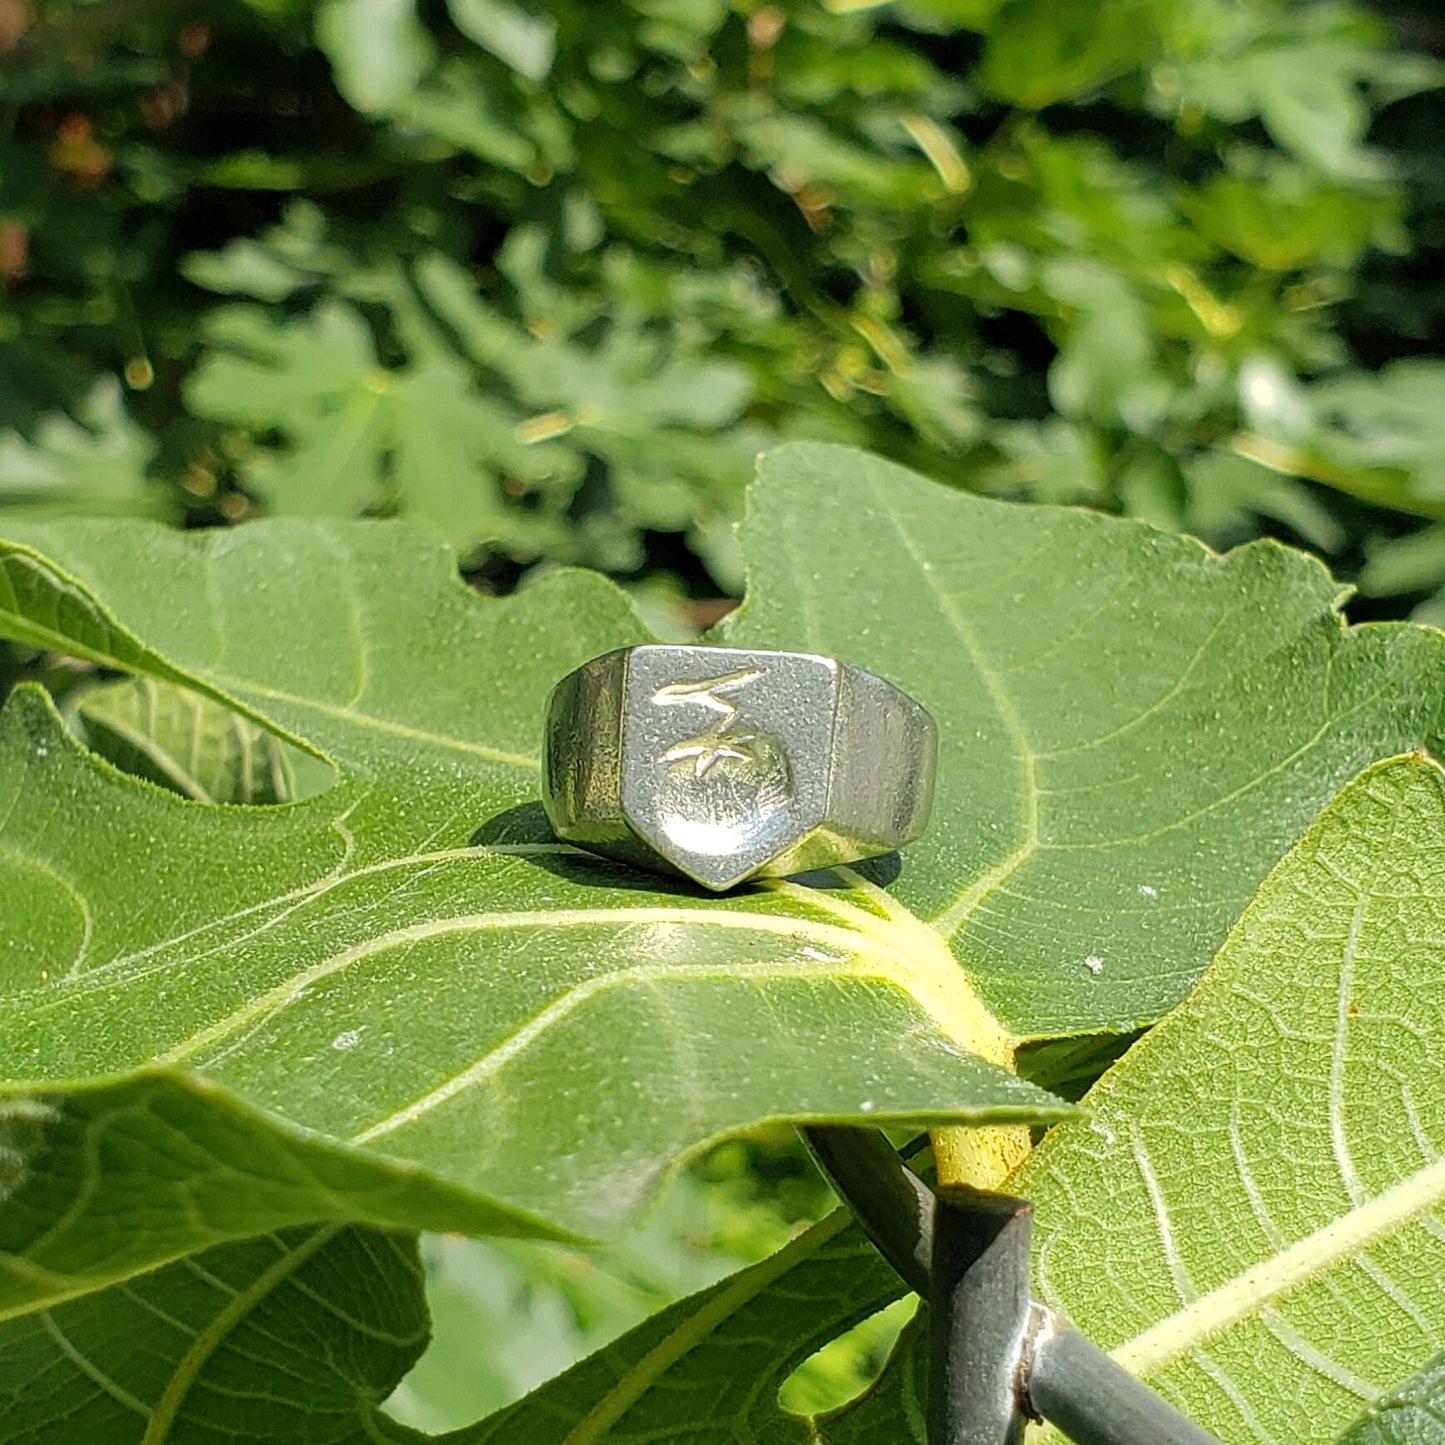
{"x": 722, "y": 764}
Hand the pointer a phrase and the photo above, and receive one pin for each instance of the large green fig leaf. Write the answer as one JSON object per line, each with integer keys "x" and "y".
{"x": 535, "y": 1035}
{"x": 1134, "y": 730}
{"x": 1254, "y": 1219}
{"x": 1254, "y": 1216}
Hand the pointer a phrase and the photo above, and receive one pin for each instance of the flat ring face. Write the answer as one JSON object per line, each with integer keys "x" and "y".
{"x": 725, "y": 763}
{"x": 725, "y": 755}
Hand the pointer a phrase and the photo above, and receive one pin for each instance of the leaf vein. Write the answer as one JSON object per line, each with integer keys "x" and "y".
{"x": 90, "y": 1370}
{"x": 1405, "y": 1202}
{"x": 210, "y": 1339}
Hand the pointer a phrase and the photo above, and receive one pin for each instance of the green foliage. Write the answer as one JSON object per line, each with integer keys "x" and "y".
{"x": 394, "y": 1004}
{"x": 190, "y": 743}
{"x": 509, "y": 1314}
{"x": 1251, "y": 1218}
{"x": 426, "y": 857}
{"x": 224, "y": 1345}
{"x": 1267, "y": 1152}
{"x": 1412, "y": 1415}
{"x": 89, "y": 462}
{"x": 547, "y": 276}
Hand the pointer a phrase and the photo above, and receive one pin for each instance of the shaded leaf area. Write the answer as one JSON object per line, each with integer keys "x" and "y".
{"x": 399, "y": 962}
{"x": 303, "y": 1334}
{"x": 1133, "y": 729}
{"x": 711, "y": 1366}
{"x": 194, "y": 745}
{"x": 296, "y": 1335}
{"x": 1413, "y": 1414}
{"x": 509, "y": 1314}
{"x": 518, "y": 1313}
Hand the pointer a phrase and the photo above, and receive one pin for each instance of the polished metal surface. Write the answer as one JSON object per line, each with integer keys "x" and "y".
{"x": 723, "y": 764}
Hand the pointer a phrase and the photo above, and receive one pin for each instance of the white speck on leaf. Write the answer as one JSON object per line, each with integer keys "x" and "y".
{"x": 867, "y": 1106}
{"x": 1147, "y": 891}
{"x": 1094, "y": 963}
{"x": 347, "y": 1040}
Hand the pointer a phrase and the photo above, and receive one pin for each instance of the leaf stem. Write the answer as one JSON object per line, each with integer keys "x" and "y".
{"x": 1078, "y": 1388}
{"x": 1063, "y": 1378}
{"x": 892, "y": 1205}
{"x": 978, "y": 1318}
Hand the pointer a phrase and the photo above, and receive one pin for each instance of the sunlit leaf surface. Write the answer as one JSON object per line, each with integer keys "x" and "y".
{"x": 398, "y": 1002}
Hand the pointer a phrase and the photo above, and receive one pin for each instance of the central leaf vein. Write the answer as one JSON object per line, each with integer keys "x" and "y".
{"x": 943, "y": 994}
{"x": 954, "y": 915}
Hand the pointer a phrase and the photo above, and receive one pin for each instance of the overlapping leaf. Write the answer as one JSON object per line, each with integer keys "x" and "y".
{"x": 192, "y": 744}
{"x": 333, "y": 1318}
{"x": 330, "y": 1318}
{"x": 225, "y": 1347}
{"x": 1413, "y": 1414}
{"x": 405, "y": 962}
{"x": 1254, "y": 1219}
{"x": 763, "y": 1322}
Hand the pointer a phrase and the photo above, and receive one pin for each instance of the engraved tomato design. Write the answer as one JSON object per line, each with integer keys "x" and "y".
{"x": 725, "y": 779}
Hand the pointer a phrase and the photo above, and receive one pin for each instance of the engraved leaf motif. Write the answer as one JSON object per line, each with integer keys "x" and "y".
{"x": 754, "y": 767}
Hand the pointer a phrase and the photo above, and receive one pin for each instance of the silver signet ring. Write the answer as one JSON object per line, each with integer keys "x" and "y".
{"x": 723, "y": 764}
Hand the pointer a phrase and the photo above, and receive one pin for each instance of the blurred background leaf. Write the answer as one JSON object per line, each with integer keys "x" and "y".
{"x": 508, "y": 1315}
{"x": 549, "y": 276}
